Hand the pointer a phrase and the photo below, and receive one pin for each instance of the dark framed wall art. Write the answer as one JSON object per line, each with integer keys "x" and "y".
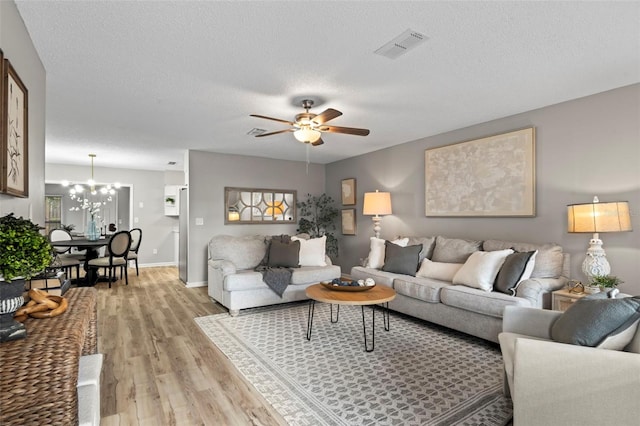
{"x": 14, "y": 138}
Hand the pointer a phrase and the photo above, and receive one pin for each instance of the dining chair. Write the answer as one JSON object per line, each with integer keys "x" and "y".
{"x": 116, "y": 256}
{"x": 136, "y": 239}
{"x": 63, "y": 258}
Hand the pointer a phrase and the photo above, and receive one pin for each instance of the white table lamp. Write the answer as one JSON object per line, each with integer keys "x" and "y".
{"x": 598, "y": 217}
{"x": 376, "y": 203}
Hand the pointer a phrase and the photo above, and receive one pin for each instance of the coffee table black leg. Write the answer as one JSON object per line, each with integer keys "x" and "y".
{"x": 312, "y": 305}
{"x": 337, "y": 313}
{"x": 373, "y": 329}
{"x": 385, "y": 316}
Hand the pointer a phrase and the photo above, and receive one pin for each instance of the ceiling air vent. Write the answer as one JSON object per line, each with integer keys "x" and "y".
{"x": 255, "y": 131}
{"x": 401, "y": 44}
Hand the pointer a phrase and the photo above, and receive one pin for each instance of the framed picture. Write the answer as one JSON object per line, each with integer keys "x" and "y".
{"x": 348, "y": 221}
{"x": 14, "y": 146}
{"x": 348, "y": 192}
{"x": 492, "y": 176}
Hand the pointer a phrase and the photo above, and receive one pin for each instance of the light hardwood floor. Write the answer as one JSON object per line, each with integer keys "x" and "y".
{"x": 159, "y": 367}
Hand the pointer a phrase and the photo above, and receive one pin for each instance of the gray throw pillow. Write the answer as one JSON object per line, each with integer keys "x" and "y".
{"x": 285, "y": 255}
{"x": 454, "y": 250}
{"x": 592, "y": 319}
{"x": 401, "y": 260}
{"x": 511, "y": 271}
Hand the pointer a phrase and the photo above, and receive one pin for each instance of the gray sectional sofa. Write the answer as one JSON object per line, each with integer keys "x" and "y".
{"x": 464, "y": 308}
{"x": 235, "y": 284}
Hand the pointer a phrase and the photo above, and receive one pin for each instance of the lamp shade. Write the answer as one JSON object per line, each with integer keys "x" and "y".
{"x": 599, "y": 217}
{"x": 377, "y": 203}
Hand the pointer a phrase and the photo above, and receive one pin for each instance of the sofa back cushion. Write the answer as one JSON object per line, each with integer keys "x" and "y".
{"x": 549, "y": 260}
{"x": 428, "y": 243}
{"x": 454, "y": 250}
{"x": 244, "y": 252}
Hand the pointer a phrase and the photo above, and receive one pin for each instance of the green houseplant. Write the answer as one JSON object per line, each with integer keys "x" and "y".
{"x": 24, "y": 252}
{"x": 317, "y": 218}
{"x": 606, "y": 281}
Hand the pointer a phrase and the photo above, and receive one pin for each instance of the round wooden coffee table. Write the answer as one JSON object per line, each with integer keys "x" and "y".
{"x": 378, "y": 295}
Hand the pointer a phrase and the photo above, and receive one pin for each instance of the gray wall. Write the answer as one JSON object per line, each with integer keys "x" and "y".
{"x": 585, "y": 147}
{"x": 147, "y": 206}
{"x": 209, "y": 173}
{"x": 18, "y": 48}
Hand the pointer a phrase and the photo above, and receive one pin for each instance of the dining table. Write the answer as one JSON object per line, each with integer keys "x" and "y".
{"x": 91, "y": 276}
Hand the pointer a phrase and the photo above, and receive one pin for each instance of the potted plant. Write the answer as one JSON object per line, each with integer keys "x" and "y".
{"x": 317, "y": 218}
{"x": 606, "y": 281}
{"x": 24, "y": 252}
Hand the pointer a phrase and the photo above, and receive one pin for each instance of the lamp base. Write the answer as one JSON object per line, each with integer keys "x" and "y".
{"x": 376, "y": 225}
{"x": 596, "y": 262}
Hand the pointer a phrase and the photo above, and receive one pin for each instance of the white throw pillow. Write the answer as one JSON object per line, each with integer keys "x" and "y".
{"x": 438, "y": 270}
{"x": 481, "y": 268}
{"x": 312, "y": 251}
{"x": 377, "y": 251}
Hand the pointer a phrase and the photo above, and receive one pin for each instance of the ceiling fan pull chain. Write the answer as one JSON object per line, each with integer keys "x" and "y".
{"x": 307, "y": 145}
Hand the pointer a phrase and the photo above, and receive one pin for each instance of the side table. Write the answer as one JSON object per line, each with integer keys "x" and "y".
{"x": 562, "y": 299}
{"x": 39, "y": 374}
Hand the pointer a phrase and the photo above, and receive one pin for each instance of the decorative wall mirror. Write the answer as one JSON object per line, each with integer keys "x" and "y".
{"x": 252, "y": 205}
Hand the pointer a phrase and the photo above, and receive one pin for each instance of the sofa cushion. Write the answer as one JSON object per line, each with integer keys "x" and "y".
{"x": 379, "y": 276}
{"x": 243, "y": 252}
{"x": 312, "y": 251}
{"x": 513, "y": 271}
{"x": 428, "y": 243}
{"x": 549, "y": 260}
{"x": 454, "y": 250}
{"x": 314, "y": 274}
{"x": 592, "y": 319}
{"x": 481, "y": 268}
{"x": 284, "y": 255}
{"x": 425, "y": 289}
{"x": 251, "y": 280}
{"x": 482, "y": 302}
{"x": 438, "y": 270}
{"x": 377, "y": 251}
{"x": 401, "y": 260}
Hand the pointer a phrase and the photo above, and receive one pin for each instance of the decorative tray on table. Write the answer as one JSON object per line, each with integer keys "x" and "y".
{"x": 338, "y": 285}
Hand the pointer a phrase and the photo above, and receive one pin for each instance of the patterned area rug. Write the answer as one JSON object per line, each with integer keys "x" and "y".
{"x": 418, "y": 374}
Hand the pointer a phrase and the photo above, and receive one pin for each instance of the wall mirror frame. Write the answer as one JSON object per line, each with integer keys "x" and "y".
{"x": 259, "y": 206}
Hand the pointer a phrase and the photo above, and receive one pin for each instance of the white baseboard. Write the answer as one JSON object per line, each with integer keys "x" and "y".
{"x": 151, "y": 265}
{"x": 197, "y": 284}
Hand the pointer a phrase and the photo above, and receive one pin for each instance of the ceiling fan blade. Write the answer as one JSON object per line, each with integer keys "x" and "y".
{"x": 326, "y": 115}
{"x": 318, "y": 142}
{"x": 275, "y": 133}
{"x": 271, "y": 118}
{"x": 346, "y": 130}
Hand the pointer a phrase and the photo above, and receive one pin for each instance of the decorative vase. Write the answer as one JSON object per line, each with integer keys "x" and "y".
{"x": 93, "y": 232}
{"x": 10, "y": 300}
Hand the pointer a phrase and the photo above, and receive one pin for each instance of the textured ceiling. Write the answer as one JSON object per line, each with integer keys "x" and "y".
{"x": 138, "y": 83}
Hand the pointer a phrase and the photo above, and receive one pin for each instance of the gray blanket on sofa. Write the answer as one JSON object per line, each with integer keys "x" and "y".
{"x": 278, "y": 279}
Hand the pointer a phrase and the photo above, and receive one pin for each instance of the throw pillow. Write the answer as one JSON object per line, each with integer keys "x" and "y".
{"x": 312, "y": 251}
{"x": 512, "y": 271}
{"x": 590, "y": 320}
{"x": 428, "y": 243}
{"x": 401, "y": 260}
{"x": 481, "y": 268}
{"x": 453, "y": 250}
{"x": 284, "y": 255}
{"x": 438, "y": 270}
{"x": 377, "y": 251}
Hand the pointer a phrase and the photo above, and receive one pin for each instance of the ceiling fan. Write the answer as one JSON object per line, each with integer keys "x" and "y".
{"x": 308, "y": 127}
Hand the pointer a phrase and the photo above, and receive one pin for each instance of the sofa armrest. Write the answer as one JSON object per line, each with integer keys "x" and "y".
{"x": 532, "y": 322}
{"x": 555, "y": 383}
{"x": 225, "y": 266}
{"x": 535, "y": 289}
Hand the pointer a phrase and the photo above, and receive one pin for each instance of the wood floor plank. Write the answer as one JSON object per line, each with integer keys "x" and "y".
{"x": 159, "y": 368}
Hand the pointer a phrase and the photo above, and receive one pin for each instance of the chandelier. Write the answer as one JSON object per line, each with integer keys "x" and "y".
{"x": 90, "y": 195}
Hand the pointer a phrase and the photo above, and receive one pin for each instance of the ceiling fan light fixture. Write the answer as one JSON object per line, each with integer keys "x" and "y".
{"x": 307, "y": 135}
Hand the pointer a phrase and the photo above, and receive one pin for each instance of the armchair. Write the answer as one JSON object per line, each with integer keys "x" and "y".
{"x": 554, "y": 383}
